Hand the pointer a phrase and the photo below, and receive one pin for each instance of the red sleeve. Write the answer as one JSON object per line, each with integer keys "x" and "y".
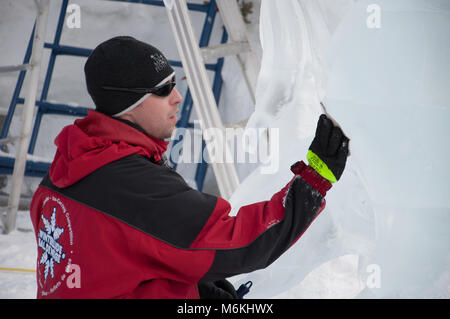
{"x": 261, "y": 232}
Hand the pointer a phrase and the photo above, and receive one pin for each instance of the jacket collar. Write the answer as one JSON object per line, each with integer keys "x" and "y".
{"x": 96, "y": 140}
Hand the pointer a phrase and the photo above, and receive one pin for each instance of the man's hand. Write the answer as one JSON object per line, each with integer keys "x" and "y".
{"x": 329, "y": 150}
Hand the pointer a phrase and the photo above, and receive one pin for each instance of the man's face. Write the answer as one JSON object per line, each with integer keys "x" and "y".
{"x": 156, "y": 115}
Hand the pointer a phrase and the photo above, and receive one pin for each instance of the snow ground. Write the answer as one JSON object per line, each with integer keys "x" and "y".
{"x": 18, "y": 250}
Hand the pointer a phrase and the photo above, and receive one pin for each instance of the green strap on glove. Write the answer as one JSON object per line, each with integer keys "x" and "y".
{"x": 320, "y": 167}
{"x": 329, "y": 150}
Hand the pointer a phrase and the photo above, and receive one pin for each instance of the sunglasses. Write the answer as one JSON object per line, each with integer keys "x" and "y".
{"x": 161, "y": 90}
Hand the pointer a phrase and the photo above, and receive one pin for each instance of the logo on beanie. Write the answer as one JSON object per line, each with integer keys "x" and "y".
{"x": 159, "y": 61}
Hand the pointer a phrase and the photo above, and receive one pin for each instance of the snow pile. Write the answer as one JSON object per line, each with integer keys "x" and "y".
{"x": 389, "y": 89}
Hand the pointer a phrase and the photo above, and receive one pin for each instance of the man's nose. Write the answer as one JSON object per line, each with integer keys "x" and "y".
{"x": 176, "y": 96}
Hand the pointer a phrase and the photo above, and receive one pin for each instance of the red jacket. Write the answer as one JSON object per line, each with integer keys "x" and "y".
{"x": 111, "y": 222}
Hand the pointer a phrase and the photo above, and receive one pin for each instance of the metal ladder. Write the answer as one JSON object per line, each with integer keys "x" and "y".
{"x": 45, "y": 107}
{"x": 38, "y": 168}
{"x": 193, "y": 64}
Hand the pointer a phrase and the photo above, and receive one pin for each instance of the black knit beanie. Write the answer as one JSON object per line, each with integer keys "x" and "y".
{"x": 127, "y": 63}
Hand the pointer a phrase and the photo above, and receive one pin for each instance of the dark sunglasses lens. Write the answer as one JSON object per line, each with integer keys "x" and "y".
{"x": 165, "y": 89}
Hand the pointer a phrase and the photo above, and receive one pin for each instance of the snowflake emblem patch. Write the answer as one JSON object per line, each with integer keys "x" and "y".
{"x": 55, "y": 241}
{"x": 48, "y": 241}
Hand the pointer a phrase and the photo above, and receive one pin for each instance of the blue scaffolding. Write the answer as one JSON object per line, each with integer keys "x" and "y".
{"x": 36, "y": 168}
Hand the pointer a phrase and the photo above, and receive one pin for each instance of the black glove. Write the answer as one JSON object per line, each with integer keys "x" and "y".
{"x": 220, "y": 289}
{"x": 329, "y": 150}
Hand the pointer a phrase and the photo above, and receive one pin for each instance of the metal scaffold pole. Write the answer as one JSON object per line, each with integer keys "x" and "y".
{"x": 27, "y": 115}
{"x": 204, "y": 103}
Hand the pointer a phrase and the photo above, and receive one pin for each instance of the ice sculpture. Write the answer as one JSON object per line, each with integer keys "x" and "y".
{"x": 387, "y": 83}
{"x": 389, "y": 86}
{"x": 294, "y": 36}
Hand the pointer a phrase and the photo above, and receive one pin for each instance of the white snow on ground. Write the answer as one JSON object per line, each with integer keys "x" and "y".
{"x": 337, "y": 278}
{"x": 18, "y": 251}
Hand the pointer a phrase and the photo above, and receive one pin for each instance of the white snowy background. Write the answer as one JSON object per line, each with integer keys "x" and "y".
{"x": 389, "y": 89}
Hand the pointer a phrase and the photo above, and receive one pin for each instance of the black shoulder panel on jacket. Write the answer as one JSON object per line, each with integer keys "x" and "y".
{"x": 146, "y": 196}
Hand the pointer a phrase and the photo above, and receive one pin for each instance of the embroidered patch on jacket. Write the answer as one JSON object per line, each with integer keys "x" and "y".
{"x": 55, "y": 245}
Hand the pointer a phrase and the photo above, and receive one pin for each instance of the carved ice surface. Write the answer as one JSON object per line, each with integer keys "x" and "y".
{"x": 388, "y": 86}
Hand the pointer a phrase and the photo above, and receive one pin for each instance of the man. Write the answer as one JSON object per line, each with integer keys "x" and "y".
{"x": 112, "y": 222}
